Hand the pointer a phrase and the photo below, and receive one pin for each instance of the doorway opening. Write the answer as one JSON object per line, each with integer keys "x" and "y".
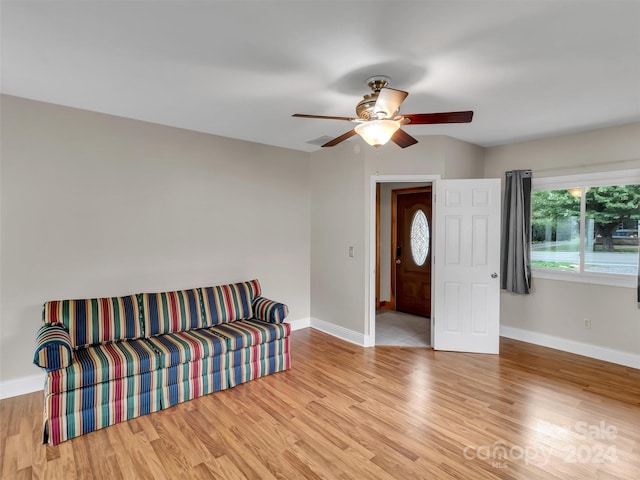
{"x": 403, "y": 257}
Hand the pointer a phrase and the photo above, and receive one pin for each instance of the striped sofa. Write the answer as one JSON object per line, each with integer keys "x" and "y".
{"x": 112, "y": 359}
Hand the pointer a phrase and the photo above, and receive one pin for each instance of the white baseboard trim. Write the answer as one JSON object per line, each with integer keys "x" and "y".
{"x": 299, "y": 323}
{"x": 594, "y": 351}
{"x": 20, "y": 386}
{"x": 338, "y": 331}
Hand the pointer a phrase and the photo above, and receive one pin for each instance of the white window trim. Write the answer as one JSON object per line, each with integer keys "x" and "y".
{"x": 596, "y": 179}
{"x": 620, "y": 280}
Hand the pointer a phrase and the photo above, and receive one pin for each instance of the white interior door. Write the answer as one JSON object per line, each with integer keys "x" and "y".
{"x": 466, "y": 265}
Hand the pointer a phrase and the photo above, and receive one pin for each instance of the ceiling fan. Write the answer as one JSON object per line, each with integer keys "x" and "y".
{"x": 378, "y": 120}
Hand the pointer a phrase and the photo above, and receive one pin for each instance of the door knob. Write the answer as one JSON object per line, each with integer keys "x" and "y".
{"x": 494, "y": 275}
{"x": 398, "y": 261}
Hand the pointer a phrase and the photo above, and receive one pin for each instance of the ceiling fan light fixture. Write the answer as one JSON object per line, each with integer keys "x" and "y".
{"x": 377, "y": 132}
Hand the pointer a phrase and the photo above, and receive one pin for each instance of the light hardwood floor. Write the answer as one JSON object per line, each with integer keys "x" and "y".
{"x": 345, "y": 412}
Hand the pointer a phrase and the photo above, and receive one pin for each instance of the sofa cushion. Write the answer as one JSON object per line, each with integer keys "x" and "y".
{"x": 102, "y": 363}
{"x": 97, "y": 320}
{"x": 169, "y": 312}
{"x": 246, "y": 333}
{"x": 228, "y": 303}
{"x": 181, "y": 347}
{"x": 53, "y": 347}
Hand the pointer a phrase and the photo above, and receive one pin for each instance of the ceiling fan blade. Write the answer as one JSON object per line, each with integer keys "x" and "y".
{"x": 388, "y": 102}
{"x": 341, "y": 138}
{"x": 444, "y": 117}
{"x": 323, "y": 117}
{"x": 403, "y": 139}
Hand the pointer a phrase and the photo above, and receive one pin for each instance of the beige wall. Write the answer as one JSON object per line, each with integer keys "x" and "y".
{"x": 462, "y": 159}
{"x": 96, "y": 205}
{"x": 557, "y": 308}
{"x": 337, "y": 222}
{"x": 604, "y": 149}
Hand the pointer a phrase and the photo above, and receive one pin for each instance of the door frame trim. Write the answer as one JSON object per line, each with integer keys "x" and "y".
{"x": 370, "y": 312}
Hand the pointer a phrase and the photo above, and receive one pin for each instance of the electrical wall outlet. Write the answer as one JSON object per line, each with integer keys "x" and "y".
{"x": 587, "y": 323}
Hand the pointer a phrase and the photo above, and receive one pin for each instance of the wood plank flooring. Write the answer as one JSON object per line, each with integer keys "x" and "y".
{"x": 345, "y": 412}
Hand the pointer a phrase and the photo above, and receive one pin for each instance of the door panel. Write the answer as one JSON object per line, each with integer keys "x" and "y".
{"x": 413, "y": 280}
{"x": 466, "y": 288}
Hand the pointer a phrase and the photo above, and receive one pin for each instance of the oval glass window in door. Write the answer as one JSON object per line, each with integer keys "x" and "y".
{"x": 419, "y": 237}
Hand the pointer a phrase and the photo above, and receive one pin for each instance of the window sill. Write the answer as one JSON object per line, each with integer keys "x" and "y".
{"x": 625, "y": 281}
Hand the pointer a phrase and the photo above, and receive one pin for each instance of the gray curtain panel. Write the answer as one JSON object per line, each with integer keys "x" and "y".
{"x": 516, "y": 233}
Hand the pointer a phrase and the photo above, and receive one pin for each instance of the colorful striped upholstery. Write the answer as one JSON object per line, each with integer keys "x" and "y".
{"x": 247, "y": 333}
{"x": 181, "y": 347}
{"x": 83, "y": 410}
{"x": 102, "y": 363}
{"x": 53, "y": 347}
{"x": 269, "y": 310}
{"x": 190, "y": 380}
{"x": 257, "y": 361}
{"x": 97, "y": 320}
{"x": 227, "y": 303}
{"x": 113, "y": 359}
{"x": 169, "y": 312}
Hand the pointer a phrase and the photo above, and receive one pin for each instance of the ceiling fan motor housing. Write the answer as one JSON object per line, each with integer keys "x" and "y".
{"x": 364, "y": 109}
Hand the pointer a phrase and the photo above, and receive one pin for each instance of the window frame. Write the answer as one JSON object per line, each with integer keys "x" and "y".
{"x": 594, "y": 179}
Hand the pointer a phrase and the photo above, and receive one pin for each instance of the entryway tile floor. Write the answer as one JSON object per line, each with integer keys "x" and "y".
{"x": 401, "y": 329}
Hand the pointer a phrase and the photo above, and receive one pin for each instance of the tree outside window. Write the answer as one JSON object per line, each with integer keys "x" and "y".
{"x": 586, "y": 229}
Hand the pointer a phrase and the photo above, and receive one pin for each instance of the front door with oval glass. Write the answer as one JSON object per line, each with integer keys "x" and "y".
{"x": 412, "y": 259}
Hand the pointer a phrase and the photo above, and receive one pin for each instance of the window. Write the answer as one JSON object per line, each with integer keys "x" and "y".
{"x": 419, "y": 238}
{"x": 585, "y": 227}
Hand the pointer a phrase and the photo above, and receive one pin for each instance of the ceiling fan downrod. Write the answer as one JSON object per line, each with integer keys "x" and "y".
{"x": 378, "y": 82}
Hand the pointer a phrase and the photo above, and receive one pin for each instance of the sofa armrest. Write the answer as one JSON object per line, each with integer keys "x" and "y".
{"x": 269, "y": 310}
{"x": 53, "y": 347}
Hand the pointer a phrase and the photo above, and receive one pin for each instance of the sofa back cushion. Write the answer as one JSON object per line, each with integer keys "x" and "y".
{"x": 97, "y": 320}
{"x": 228, "y": 303}
{"x": 170, "y": 312}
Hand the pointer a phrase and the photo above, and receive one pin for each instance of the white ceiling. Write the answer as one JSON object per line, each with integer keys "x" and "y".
{"x": 239, "y": 69}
